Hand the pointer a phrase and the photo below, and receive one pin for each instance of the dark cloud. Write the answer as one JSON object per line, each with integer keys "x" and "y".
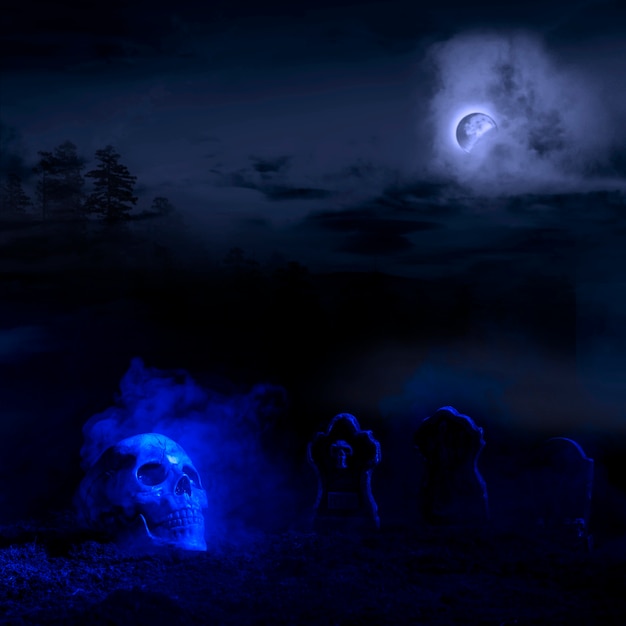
{"x": 40, "y": 34}
{"x": 375, "y": 243}
{"x": 296, "y": 193}
{"x": 364, "y": 232}
{"x": 266, "y": 175}
{"x": 366, "y": 221}
{"x": 60, "y": 36}
{"x": 598, "y": 22}
{"x": 270, "y": 177}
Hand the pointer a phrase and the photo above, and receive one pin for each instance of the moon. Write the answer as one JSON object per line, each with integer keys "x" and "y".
{"x": 472, "y": 128}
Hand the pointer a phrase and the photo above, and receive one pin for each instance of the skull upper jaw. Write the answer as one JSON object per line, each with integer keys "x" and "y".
{"x": 183, "y": 527}
{"x": 174, "y": 520}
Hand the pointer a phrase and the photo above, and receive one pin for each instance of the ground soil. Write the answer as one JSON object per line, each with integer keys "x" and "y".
{"x": 390, "y": 576}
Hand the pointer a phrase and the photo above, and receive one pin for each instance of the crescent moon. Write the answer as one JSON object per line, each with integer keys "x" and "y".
{"x": 472, "y": 128}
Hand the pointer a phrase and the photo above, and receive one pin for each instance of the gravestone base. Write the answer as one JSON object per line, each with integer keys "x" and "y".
{"x": 344, "y": 524}
{"x": 571, "y": 536}
{"x": 345, "y": 511}
{"x": 562, "y": 487}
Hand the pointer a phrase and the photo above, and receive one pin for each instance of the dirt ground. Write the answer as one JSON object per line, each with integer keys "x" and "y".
{"x": 391, "y": 576}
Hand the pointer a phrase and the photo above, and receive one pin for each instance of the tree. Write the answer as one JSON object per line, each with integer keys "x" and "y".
{"x": 13, "y": 199}
{"x": 237, "y": 262}
{"x": 113, "y": 185}
{"x": 162, "y": 206}
{"x": 12, "y": 159}
{"x": 46, "y": 167}
{"x": 61, "y": 183}
{"x": 70, "y": 180}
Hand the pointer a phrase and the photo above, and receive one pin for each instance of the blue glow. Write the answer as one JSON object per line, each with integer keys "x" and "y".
{"x": 483, "y": 107}
{"x": 554, "y": 130}
{"x": 481, "y": 393}
{"x": 220, "y": 431}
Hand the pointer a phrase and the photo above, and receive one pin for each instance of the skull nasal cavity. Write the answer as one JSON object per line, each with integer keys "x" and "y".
{"x": 183, "y": 486}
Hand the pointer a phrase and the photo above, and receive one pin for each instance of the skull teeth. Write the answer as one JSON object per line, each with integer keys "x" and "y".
{"x": 181, "y": 518}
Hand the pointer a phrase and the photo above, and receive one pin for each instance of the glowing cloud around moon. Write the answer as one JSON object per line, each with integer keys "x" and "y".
{"x": 472, "y": 128}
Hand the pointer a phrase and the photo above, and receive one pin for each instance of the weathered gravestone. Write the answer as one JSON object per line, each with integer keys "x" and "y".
{"x": 453, "y": 491}
{"x": 344, "y": 458}
{"x": 563, "y": 487}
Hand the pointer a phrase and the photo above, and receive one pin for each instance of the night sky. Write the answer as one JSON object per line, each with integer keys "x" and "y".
{"x": 323, "y": 132}
{"x": 256, "y": 119}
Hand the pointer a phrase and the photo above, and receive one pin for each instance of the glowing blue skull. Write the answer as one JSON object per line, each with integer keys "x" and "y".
{"x": 145, "y": 492}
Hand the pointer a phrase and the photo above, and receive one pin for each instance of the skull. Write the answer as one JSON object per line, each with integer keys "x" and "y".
{"x": 145, "y": 491}
{"x": 340, "y": 451}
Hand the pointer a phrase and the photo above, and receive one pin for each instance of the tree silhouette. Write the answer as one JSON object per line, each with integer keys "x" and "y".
{"x": 162, "y": 206}
{"x": 61, "y": 183}
{"x": 238, "y": 263}
{"x": 13, "y": 199}
{"x": 46, "y": 168}
{"x": 113, "y": 185}
{"x": 11, "y": 151}
{"x": 70, "y": 182}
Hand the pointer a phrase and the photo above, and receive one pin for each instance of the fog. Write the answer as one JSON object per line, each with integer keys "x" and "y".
{"x": 554, "y": 128}
{"x": 222, "y": 430}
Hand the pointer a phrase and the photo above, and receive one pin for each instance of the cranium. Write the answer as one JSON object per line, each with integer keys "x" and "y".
{"x": 145, "y": 491}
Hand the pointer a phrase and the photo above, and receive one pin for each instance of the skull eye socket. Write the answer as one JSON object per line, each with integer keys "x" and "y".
{"x": 192, "y": 475}
{"x": 152, "y": 474}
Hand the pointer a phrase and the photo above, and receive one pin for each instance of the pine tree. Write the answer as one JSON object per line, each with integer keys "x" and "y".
{"x": 162, "y": 206}
{"x": 113, "y": 185}
{"x": 46, "y": 167}
{"x": 13, "y": 199}
{"x": 11, "y": 150}
{"x": 70, "y": 180}
{"x": 60, "y": 187}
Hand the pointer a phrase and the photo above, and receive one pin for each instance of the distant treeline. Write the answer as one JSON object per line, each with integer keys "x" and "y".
{"x": 61, "y": 190}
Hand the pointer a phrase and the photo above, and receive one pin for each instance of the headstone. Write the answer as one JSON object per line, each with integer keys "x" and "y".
{"x": 344, "y": 457}
{"x": 563, "y": 489}
{"x": 453, "y": 491}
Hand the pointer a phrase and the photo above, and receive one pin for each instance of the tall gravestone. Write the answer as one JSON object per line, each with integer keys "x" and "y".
{"x": 344, "y": 457}
{"x": 453, "y": 491}
{"x": 563, "y": 490}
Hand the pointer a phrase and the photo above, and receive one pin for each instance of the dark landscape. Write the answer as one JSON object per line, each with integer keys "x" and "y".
{"x": 357, "y": 270}
{"x": 321, "y": 344}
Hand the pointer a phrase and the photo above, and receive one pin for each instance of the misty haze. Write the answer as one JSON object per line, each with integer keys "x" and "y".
{"x": 253, "y": 236}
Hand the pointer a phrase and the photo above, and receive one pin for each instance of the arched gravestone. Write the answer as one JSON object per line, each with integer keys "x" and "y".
{"x": 344, "y": 458}
{"x": 563, "y": 489}
{"x": 453, "y": 491}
